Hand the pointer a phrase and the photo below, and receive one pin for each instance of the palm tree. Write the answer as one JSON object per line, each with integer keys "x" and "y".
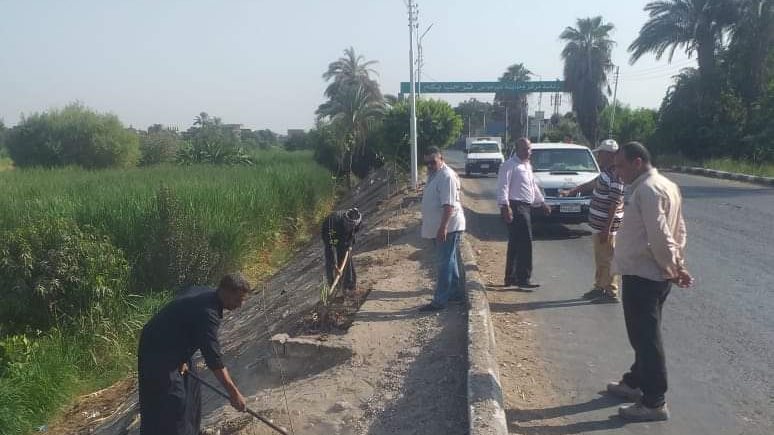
{"x": 752, "y": 39}
{"x": 696, "y": 26}
{"x": 586, "y": 57}
{"x": 350, "y": 70}
{"x": 515, "y": 102}
{"x": 202, "y": 119}
{"x": 354, "y": 110}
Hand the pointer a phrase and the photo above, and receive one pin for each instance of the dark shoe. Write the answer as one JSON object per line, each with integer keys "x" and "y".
{"x": 593, "y": 293}
{"x": 606, "y": 298}
{"x": 624, "y": 391}
{"x": 429, "y": 308}
{"x": 528, "y": 284}
{"x": 640, "y": 412}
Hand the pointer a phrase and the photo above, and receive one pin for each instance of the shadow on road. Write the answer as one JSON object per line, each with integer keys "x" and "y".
{"x": 556, "y": 231}
{"x": 537, "y": 305}
{"x": 517, "y": 416}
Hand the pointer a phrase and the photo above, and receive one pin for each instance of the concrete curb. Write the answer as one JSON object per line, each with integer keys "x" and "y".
{"x": 486, "y": 413}
{"x": 766, "y": 181}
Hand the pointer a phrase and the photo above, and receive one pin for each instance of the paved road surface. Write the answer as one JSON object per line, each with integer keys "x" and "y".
{"x": 719, "y": 336}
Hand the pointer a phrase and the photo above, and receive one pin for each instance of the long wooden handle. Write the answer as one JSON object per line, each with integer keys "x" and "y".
{"x": 340, "y": 270}
{"x": 247, "y": 410}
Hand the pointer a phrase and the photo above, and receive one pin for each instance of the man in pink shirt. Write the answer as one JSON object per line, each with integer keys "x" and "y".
{"x": 517, "y": 193}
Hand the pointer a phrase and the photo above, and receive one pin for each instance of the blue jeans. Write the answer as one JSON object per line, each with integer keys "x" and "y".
{"x": 451, "y": 270}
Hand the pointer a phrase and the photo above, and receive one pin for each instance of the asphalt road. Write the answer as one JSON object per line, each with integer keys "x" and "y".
{"x": 719, "y": 336}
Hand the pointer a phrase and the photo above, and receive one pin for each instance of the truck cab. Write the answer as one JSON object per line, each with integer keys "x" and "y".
{"x": 483, "y": 157}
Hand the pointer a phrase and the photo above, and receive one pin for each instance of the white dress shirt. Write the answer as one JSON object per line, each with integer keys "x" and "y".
{"x": 442, "y": 189}
{"x": 516, "y": 182}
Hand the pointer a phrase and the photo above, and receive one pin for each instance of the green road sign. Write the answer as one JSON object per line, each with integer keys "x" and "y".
{"x": 483, "y": 87}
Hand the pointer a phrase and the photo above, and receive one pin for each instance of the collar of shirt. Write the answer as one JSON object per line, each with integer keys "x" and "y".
{"x": 642, "y": 177}
{"x": 432, "y": 175}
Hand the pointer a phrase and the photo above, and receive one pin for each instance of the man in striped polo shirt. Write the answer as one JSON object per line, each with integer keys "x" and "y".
{"x": 605, "y": 216}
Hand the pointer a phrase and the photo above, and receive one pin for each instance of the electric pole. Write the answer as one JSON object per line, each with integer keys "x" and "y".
{"x": 615, "y": 103}
{"x": 413, "y": 121}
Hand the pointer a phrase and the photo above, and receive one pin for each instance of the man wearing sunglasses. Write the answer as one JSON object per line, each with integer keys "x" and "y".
{"x": 443, "y": 220}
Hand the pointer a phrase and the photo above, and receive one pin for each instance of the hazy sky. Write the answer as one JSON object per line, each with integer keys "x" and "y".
{"x": 259, "y": 63}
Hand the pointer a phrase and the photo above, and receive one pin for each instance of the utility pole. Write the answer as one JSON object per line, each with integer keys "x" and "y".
{"x": 413, "y": 121}
{"x": 615, "y": 103}
{"x": 506, "y": 126}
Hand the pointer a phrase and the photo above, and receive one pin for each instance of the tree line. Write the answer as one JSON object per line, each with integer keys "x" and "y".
{"x": 78, "y": 136}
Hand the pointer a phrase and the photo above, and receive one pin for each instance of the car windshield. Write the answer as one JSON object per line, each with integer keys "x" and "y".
{"x": 484, "y": 147}
{"x": 563, "y": 160}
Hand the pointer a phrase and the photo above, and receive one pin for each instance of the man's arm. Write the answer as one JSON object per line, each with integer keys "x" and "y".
{"x": 504, "y": 183}
{"x": 448, "y": 195}
{"x": 661, "y": 241}
{"x": 448, "y": 210}
{"x": 237, "y": 400}
{"x": 586, "y": 187}
{"x": 210, "y": 348}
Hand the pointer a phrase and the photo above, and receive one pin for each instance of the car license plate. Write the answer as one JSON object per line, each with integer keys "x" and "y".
{"x": 569, "y": 208}
{"x": 485, "y": 166}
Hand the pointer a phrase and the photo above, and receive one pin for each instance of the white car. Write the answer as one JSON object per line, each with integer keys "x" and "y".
{"x": 483, "y": 157}
{"x": 561, "y": 166}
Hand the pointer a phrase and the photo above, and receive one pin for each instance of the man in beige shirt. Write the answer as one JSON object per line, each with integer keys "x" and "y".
{"x": 650, "y": 256}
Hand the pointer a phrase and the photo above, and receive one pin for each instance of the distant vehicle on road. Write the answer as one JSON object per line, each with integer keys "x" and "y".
{"x": 483, "y": 157}
{"x": 562, "y": 166}
{"x": 470, "y": 139}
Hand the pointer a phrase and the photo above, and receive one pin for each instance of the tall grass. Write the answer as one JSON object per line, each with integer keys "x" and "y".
{"x": 762, "y": 169}
{"x": 236, "y": 212}
{"x": 242, "y": 210}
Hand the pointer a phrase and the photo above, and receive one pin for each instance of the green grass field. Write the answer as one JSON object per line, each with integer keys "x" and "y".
{"x": 232, "y": 215}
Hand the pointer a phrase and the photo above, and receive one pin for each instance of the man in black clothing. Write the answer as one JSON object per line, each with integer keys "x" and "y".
{"x": 170, "y": 402}
{"x": 338, "y": 235}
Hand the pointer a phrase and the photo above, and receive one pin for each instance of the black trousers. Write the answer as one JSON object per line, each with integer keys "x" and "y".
{"x": 170, "y": 403}
{"x": 334, "y": 254}
{"x": 643, "y": 300}
{"x": 518, "y": 261}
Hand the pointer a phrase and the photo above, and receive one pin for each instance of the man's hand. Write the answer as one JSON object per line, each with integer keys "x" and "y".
{"x": 183, "y": 369}
{"x": 506, "y": 214}
{"x": 441, "y": 235}
{"x": 238, "y": 401}
{"x": 546, "y": 209}
{"x": 567, "y": 192}
{"x": 683, "y": 279}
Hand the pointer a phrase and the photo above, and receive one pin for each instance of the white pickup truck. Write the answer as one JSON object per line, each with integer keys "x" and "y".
{"x": 561, "y": 166}
{"x": 483, "y": 157}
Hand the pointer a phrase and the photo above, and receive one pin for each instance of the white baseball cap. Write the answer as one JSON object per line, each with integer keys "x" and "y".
{"x": 609, "y": 145}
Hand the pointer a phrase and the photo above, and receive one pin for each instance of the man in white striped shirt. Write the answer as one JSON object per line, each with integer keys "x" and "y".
{"x": 605, "y": 216}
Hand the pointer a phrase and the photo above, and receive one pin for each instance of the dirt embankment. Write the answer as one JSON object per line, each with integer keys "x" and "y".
{"x": 386, "y": 369}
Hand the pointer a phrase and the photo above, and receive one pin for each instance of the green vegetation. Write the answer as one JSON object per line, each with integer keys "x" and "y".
{"x": 723, "y": 108}
{"x": 74, "y": 135}
{"x": 587, "y": 63}
{"x": 89, "y": 255}
{"x": 740, "y": 166}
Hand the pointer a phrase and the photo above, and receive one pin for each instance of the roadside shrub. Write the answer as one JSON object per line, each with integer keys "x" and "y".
{"x": 161, "y": 147}
{"x": 74, "y": 135}
{"x": 52, "y": 272}
{"x": 177, "y": 252}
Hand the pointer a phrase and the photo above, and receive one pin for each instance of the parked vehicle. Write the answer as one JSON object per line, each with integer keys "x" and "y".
{"x": 561, "y": 166}
{"x": 483, "y": 157}
{"x": 470, "y": 139}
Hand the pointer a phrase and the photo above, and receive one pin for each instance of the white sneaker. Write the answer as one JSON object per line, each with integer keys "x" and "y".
{"x": 640, "y": 412}
{"x": 622, "y": 390}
